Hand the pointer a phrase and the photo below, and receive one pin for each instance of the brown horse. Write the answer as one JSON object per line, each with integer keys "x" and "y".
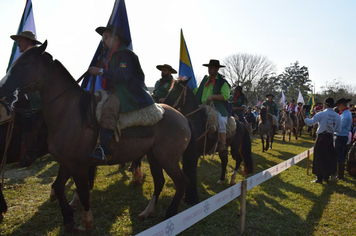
{"x": 265, "y": 127}
{"x": 72, "y": 135}
{"x": 182, "y": 97}
{"x": 289, "y": 125}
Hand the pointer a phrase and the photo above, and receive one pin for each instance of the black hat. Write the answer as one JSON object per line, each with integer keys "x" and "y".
{"x": 330, "y": 102}
{"x": 269, "y": 94}
{"x": 173, "y": 71}
{"x": 293, "y": 100}
{"x": 239, "y": 88}
{"x": 215, "y": 63}
{"x": 343, "y": 101}
{"x": 114, "y": 30}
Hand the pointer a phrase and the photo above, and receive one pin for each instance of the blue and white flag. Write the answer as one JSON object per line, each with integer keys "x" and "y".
{"x": 27, "y": 23}
{"x": 185, "y": 65}
{"x": 118, "y": 18}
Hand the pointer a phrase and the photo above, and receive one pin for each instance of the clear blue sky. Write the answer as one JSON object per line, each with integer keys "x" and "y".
{"x": 320, "y": 34}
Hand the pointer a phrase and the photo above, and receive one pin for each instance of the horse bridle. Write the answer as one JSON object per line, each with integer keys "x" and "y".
{"x": 183, "y": 93}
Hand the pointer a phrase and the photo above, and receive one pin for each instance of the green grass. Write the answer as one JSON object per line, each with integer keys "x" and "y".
{"x": 287, "y": 204}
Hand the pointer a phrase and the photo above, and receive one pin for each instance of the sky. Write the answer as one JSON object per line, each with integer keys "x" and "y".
{"x": 319, "y": 34}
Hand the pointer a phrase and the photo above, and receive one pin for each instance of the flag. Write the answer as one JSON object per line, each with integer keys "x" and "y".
{"x": 311, "y": 102}
{"x": 27, "y": 23}
{"x": 300, "y": 98}
{"x": 118, "y": 18}
{"x": 185, "y": 65}
{"x": 283, "y": 100}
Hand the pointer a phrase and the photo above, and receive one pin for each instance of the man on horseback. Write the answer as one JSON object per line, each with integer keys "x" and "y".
{"x": 125, "y": 81}
{"x": 214, "y": 88}
{"x": 31, "y": 121}
{"x": 293, "y": 110}
{"x": 238, "y": 101}
{"x": 272, "y": 108}
{"x": 164, "y": 84}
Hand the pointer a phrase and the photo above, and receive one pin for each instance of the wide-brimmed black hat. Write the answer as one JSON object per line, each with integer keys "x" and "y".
{"x": 343, "y": 101}
{"x": 239, "y": 88}
{"x": 26, "y": 34}
{"x": 330, "y": 102}
{"x": 214, "y": 62}
{"x": 269, "y": 94}
{"x": 114, "y": 30}
{"x": 160, "y": 67}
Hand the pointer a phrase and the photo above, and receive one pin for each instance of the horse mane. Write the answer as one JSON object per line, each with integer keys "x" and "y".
{"x": 263, "y": 115}
{"x": 85, "y": 97}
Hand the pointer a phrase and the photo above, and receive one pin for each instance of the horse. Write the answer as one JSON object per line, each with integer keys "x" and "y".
{"x": 289, "y": 125}
{"x": 301, "y": 122}
{"x": 72, "y": 136}
{"x": 265, "y": 127}
{"x": 182, "y": 97}
{"x": 3, "y": 205}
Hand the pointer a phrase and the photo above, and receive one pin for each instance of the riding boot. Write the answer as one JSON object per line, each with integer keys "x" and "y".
{"x": 30, "y": 155}
{"x": 99, "y": 153}
{"x": 222, "y": 143}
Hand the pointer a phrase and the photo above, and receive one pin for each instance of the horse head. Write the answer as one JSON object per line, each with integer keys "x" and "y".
{"x": 26, "y": 74}
{"x": 263, "y": 114}
{"x": 177, "y": 94}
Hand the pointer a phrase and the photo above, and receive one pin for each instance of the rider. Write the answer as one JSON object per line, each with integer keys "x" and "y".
{"x": 238, "y": 101}
{"x": 30, "y": 122}
{"x": 125, "y": 81}
{"x": 318, "y": 107}
{"x": 214, "y": 88}
{"x": 272, "y": 108}
{"x": 293, "y": 109}
{"x": 164, "y": 84}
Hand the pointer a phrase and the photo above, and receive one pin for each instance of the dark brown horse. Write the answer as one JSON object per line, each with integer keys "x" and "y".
{"x": 266, "y": 127}
{"x": 182, "y": 97}
{"x": 72, "y": 135}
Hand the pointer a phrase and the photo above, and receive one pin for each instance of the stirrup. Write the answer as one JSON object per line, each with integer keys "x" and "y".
{"x": 98, "y": 148}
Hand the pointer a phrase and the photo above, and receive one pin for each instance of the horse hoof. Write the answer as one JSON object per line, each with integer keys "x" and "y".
{"x": 52, "y": 196}
{"x": 220, "y": 182}
{"x": 69, "y": 227}
{"x": 136, "y": 182}
{"x": 142, "y": 217}
{"x": 232, "y": 183}
{"x": 80, "y": 230}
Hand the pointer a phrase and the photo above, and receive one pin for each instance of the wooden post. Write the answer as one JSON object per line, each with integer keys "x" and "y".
{"x": 243, "y": 206}
{"x": 308, "y": 162}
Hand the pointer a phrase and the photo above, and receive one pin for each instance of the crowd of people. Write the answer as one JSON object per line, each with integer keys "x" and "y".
{"x": 124, "y": 79}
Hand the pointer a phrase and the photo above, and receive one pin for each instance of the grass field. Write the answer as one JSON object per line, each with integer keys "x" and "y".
{"x": 287, "y": 204}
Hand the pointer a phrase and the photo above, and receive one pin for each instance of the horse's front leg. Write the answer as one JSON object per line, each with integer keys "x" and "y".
{"x": 81, "y": 180}
{"x": 263, "y": 143}
{"x": 58, "y": 188}
{"x": 223, "y": 158}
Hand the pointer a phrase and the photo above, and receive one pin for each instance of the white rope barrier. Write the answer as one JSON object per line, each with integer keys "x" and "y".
{"x": 194, "y": 214}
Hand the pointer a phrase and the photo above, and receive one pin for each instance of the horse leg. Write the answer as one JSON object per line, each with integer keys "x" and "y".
{"x": 81, "y": 181}
{"x": 137, "y": 172}
{"x": 263, "y": 143}
{"x": 284, "y": 134}
{"x": 158, "y": 181}
{"x": 223, "y": 158}
{"x": 58, "y": 187}
{"x": 290, "y": 134}
{"x": 267, "y": 141}
{"x": 65, "y": 175}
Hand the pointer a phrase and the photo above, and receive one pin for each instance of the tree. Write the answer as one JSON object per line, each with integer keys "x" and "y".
{"x": 337, "y": 89}
{"x": 293, "y": 79}
{"x": 249, "y": 72}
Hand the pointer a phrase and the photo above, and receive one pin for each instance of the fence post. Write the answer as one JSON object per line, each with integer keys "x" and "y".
{"x": 308, "y": 162}
{"x": 243, "y": 206}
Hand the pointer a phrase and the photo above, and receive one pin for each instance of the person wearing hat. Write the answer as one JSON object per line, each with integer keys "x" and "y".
{"x": 293, "y": 110}
{"x": 342, "y": 136}
{"x": 164, "y": 84}
{"x": 324, "y": 162}
{"x": 272, "y": 108}
{"x": 214, "y": 88}
{"x": 318, "y": 107}
{"x": 123, "y": 77}
{"x": 238, "y": 101}
{"x": 30, "y": 124}
{"x": 25, "y": 40}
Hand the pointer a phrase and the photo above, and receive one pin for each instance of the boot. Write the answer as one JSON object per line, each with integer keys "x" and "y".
{"x": 99, "y": 153}
{"x": 222, "y": 143}
{"x": 30, "y": 154}
{"x": 319, "y": 180}
{"x": 341, "y": 170}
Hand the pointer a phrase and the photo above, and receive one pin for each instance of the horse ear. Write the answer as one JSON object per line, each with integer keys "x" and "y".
{"x": 42, "y": 48}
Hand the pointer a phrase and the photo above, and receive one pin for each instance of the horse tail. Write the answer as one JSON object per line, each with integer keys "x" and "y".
{"x": 190, "y": 163}
{"x": 91, "y": 176}
{"x": 246, "y": 152}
